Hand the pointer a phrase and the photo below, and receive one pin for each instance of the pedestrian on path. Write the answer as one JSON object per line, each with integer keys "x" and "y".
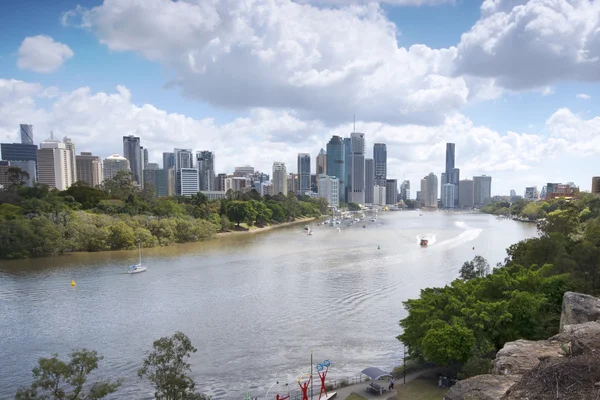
{"x": 391, "y": 387}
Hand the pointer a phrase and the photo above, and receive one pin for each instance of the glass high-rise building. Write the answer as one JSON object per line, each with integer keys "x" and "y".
{"x": 303, "y": 173}
{"x": 380, "y": 158}
{"x": 357, "y": 171}
{"x": 26, "y": 134}
{"x": 369, "y": 180}
{"x": 132, "y": 151}
{"x": 205, "y": 161}
{"x": 336, "y": 163}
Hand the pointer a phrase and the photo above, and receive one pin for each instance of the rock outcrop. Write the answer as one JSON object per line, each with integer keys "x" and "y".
{"x": 565, "y": 366}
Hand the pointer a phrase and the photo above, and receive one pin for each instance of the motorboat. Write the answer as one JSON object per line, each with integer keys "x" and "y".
{"x": 307, "y": 227}
{"x": 309, "y": 232}
{"x": 424, "y": 241}
{"x": 136, "y": 269}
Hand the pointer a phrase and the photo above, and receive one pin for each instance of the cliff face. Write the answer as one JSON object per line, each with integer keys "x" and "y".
{"x": 565, "y": 366}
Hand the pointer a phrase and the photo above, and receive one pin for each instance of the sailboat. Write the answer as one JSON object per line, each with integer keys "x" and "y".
{"x": 136, "y": 269}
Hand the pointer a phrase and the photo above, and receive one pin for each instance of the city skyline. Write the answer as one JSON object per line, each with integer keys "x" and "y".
{"x": 414, "y": 89}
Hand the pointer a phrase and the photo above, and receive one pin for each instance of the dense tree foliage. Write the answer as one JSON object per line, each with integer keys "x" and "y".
{"x": 36, "y": 221}
{"x": 58, "y": 380}
{"x": 167, "y": 367}
{"x": 464, "y": 323}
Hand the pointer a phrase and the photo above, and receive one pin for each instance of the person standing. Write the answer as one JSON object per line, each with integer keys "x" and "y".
{"x": 391, "y": 387}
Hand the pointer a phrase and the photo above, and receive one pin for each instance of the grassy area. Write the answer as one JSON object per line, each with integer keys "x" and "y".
{"x": 354, "y": 396}
{"x": 422, "y": 388}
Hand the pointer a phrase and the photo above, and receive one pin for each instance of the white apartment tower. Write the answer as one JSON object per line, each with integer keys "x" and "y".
{"x": 113, "y": 164}
{"x": 54, "y": 164}
{"x": 329, "y": 189}
{"x": 279, "y": 178}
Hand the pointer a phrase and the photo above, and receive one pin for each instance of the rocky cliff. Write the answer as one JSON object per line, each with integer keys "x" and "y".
{"x": 565, "y": 366}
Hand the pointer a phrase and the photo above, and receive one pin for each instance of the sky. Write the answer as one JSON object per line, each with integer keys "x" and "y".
{"x": 514, "y": 83}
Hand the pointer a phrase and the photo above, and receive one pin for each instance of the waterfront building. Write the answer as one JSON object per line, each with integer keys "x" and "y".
{"x": 205, "y": 161}
{"x": 336, "y": 163}
{"x": 113, "y": 164}
{"x": 391, "y": 191}
{"x": 322, "y": 163}
{"x": 531, "y": 193}
{"x": 132, "y": 151}
{"x": 329, "y": 189}
{"x": 188, "y": 181}
{"x": 356, "y": 188}
{"x": 430, "y": 197}
{"x": 55, "y": 164}
{"x": 89, "y": 169}
{"x": 380, "y": 159}
{"x": 303, "y": 173}
{"x": 448, "y": 195}
{"x": 482, "y": 190}
{"x": 379, "y": 195}
{"x": 466, "y": 197}
{"x": 369, "y": 180}
{"x": 279, "y": 178}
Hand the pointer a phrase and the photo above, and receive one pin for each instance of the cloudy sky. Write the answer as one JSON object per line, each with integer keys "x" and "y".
{"x": 513, "y": 83}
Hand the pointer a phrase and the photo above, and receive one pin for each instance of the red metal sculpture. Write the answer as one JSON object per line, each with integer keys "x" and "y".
{"x": 304, "y": 388}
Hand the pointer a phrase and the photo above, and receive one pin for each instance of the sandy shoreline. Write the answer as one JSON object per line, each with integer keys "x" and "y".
{"x": 267, "y": 228}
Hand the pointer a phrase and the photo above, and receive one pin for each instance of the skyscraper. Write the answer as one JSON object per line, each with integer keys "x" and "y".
{"x": 466, "y": 197}
{"x": 482, "y": 190}
{"x": 70, "y": 147}
{"x": 380, "y": 158}
{"x": 26, "y": 134}
{"x": 89, "y": 169}
{"x": 303, "y": 173}
{"x": 168, "y": 160}
{"x": 328, "y": 189}
{"x": 133, "y": 152}
{"x": 369, "y": 180}
{"x": 405, "y": 190}
{"x": 391, "y": 191}
{"x": 450, "y": 158}
{"x": 357, "y": 161}
{"x": 431, "y": 197}
{"x": 184, "y": 169}
{"x": 113, "y": 164}
{"x": 205, "y": 161}
{"x": 448, "y": 195}
{"x": 348, "y": 168}
{"x": 321, "y": 163}
{"x": 336, "y": 159}
{"x": 54, "y": 166}
{"x": 279, "y": 178}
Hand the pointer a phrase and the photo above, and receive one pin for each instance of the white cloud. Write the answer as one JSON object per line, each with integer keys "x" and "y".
{"x": 42, "y": 54}
{"x": 326, "y": 63}
{"x": 391, "y": 2}
{"x": 532, "y": 44}
{"x": 97, "y": 122}
{"x": 583, "y": 96}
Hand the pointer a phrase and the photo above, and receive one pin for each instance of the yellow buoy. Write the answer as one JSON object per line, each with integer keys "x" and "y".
{"x": 73, "y": 283}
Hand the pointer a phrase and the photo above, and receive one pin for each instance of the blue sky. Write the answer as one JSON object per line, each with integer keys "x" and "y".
{"x": 310, "y": 117}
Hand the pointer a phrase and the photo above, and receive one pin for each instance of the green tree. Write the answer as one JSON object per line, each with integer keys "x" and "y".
{"x": 16, "y": 178}
{"x": 241, "y": 211}
{"x": 59, "y": 380}
{"x": 448, "y": 343}
{"x": 410, "y": 204}
{"x": 353, "y": 207}
{"x": 477, "y": 268}
{"x": 263, "y": 213}
{"x": 531, "y": 211}
{"x": 167, "y": 368}
{"x": 120, "y": 186}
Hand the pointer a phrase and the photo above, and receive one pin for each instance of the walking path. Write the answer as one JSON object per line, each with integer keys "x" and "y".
{"x": 360, "y": 388}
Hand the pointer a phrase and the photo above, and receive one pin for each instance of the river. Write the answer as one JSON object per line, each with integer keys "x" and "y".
{"x": 255, "y": 305}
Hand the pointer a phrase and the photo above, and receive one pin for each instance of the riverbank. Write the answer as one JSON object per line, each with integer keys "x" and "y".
{"x": 257, "y": 229}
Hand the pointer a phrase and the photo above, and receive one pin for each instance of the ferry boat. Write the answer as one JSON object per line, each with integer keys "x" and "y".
{"x": 424, "y": 241}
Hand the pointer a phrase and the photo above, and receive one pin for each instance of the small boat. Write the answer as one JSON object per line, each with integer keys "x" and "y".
{"x": 306, "y": 227}
{"x": 309, "y": 232}
{"x": 136, "y": 269}
{"x": 424, "y": 241}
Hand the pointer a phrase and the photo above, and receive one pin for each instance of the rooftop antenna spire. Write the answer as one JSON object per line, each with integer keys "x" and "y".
{"x": 354, "y": 128}
{"x": 51, "y": 135}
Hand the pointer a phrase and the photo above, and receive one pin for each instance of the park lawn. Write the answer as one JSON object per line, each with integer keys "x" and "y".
{"x": 421, "y": 388}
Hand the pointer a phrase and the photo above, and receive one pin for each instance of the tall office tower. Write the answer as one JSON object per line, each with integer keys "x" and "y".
{"x": 357, "y": 176}
{"x": 303, "y": 173}
{"x": 26, "y": 134}
{"x": 431, "y": 199}
{"x": 391, "y": 191}
{"x": 336, "y": 159}
{"x": 152, "y": 166}
{"x": 184, "y": 164}
{"x": 466, "y": 197}
{"x": 23, "y": 156}
{"x": 513, "y": 193}
{"x": 482, "y": 190}
{"x": 168, "y": 160}
{"x": 422, "y": 195}
{"x": 322, "y": 163}
{"x": 450, "y": 159}
{"x": 405, "y": 190}
{"x": 369, "y": 180}
{"x": 448, "y": 195}
{"x": 329, "y": 189}
{"x": 279, "y": 178}
{"x": 113, "y": 164}
{"x": 146, "y": 160}
{"x": 380, "y": 158}
{"x": 220, "y": 182}
{"x": 348, "y": 168}
{"x": 70, "y": 147}
{"x": 133, "y": 152}
{"x": 54, "y": 165}
{"x": 205, "y": 161}
{"x": 89, "y": 169}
